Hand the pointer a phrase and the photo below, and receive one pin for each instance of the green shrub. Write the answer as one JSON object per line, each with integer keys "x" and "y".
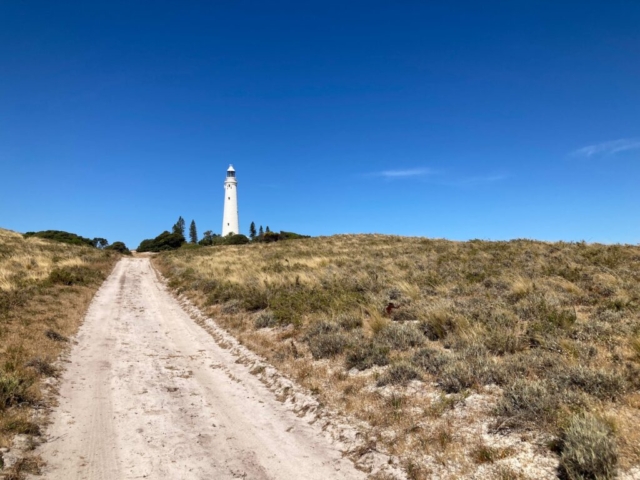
{"x": 61, "y": 236}
{"x": 76, "y": 275}
{"x": 164, "y": 241}
{"x": 13, "y": 390}
{"x": 589, "y": 449}
{"x": 254, "y": 297}
{"x": 266, "y": 320}
{"x": 119, "y": 247}
{"x": 236, "y": 240}
{"x": 399, "y": 374}
{"x": 365, "y": 354}
{"x": 18, "y": 425}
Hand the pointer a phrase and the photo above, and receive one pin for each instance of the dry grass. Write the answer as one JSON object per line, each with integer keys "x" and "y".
{"x": 45, "y": 289}
{"x": 504, "y": 340}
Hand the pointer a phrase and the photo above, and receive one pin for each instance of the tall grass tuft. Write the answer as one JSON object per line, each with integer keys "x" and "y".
{"x": 589, "y": 449}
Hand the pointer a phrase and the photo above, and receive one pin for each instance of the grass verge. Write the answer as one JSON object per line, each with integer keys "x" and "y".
{"x": 45, "y": 289}
{"x": 434, "y": 343}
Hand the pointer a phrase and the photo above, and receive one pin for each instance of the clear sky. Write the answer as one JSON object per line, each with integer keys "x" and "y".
{"x": 492, "y": 120}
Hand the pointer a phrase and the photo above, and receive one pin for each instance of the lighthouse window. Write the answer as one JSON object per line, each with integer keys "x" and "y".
{"x": 228, "y": 198}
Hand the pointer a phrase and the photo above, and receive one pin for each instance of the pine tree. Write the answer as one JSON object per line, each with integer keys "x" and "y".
{"x": 252, "y": 230}
{"x": 260, "y": 232}
{"x": 179, "y": 226}
{"x": 193, "y": 233}
{"x": 267, "y": 229}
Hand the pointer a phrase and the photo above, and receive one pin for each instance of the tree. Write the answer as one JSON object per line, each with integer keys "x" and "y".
{"x": 267, "y": 230}
{"x": 164, "y": 241}
{"x": 119, "y": 247}
{"x": 252, "y": 230}
{"x": 261, "y": 231}
{"x": 179, "y": 226}
{"x": 100, "y": 242}
{"x": 193, "y": 233}
{"x": 208, "y": 238}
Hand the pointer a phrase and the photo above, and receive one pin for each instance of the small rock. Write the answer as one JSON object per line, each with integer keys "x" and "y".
{"x": 10, "y": 459}
{"x": 21, "y": 442}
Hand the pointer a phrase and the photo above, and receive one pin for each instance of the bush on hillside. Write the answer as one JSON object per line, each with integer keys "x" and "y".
{"x": 270, "y": 237}
{"x": 119, "y": 247}
{"x": 236, "y": 240}
{"x": 164, "y": 241}
{"x": 231, "y": 239}
{"x": 588, "y": 449}
{"x": 61, "y": 236}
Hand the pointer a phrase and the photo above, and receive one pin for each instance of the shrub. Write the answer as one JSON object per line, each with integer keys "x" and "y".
{"x": 164, "y": 241}
{"x": 61, "y": 236}
{"x": 55, "y": 336}
{"x": 485, "y": 454}
{"x": 266, "y": 320}
{"x": 527, "y": 403}
{"x": 230, "y": 307}
{"x": 589, "y": 449}
{"x": 400, "y": 337}
{"x": 430, "y": 360}
{"x": 456, "y": 376}
{"x": 77, "y": 275}
{"x": 13, "y": 390}
{"x": 399, "y": 374}
{"x": 349, "y": 322}
{"x": 119, "y": 247}
{"x": 327, "y": 345}
{"x": 366, "y": 354}
{"x": 236, "y": 240}
{"x": 602, "y": 384}
{"x": 320, "y": 327}
{"x": 440, "y": 323}
{"x": 18, "y": 425}
{"x": 42, "y": 366}
{"x": 254, "y": 297}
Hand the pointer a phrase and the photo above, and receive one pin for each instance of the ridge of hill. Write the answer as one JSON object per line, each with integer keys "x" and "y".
{"x": 516, "y": 359}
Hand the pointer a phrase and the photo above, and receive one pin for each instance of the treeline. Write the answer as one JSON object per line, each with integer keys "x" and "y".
{"x": 176, "y": 238}
{"x": 74, "y": 239}
{"x": 267, "y": 236}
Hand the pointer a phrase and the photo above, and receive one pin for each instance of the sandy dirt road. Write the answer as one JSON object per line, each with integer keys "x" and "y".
{"x": 149, "y": 394}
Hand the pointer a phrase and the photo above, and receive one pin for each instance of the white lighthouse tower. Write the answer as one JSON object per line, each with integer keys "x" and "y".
{"x": 230, "y": 223}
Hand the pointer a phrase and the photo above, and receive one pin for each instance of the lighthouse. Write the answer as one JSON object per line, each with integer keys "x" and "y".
{"x": 230, "y": 223}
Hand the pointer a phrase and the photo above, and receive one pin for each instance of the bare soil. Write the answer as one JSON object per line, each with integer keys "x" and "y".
{"x": 148, "y": 393}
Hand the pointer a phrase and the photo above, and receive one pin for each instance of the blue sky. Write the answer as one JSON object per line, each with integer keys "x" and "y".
{"x": 492, "y": 120}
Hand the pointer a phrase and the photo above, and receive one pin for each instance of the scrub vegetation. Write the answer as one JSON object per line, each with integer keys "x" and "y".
{"x": 518, "y": 359}
{"x": 45, "y": 289}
